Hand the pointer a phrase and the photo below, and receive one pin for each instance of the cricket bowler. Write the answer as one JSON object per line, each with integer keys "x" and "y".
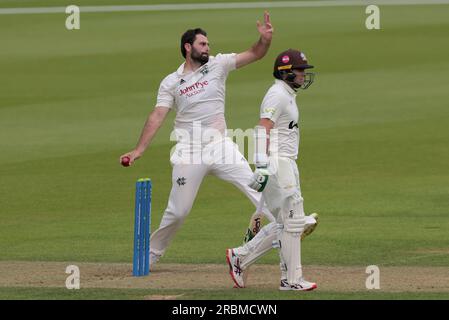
{"x": 196, "y": 92}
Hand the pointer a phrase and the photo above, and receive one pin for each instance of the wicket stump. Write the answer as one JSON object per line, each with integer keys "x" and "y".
{"x": 142, "y": 223}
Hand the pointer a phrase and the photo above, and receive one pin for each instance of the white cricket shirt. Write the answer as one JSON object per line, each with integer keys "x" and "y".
{"x": 198, "y": 98}
{"x": 279, "y": 105}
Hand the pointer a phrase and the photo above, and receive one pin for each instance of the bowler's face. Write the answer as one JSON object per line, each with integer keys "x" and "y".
{"x": 201, "y": 45}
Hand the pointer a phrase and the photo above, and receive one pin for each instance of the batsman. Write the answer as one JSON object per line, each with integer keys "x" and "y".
{"x": 277, "y": 177}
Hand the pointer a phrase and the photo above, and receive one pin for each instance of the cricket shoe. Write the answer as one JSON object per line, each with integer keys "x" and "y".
{"x": 153, "y": 259}
{"x": 302, "y": 285}
{"x": 245, "y": 278}
{"x": 234, "y": 268}
{"x": 310, "y": 227}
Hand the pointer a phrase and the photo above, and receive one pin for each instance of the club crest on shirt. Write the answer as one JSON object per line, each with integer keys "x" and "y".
{"x": 181, "y": 181}
{"x": 204, "y": 70}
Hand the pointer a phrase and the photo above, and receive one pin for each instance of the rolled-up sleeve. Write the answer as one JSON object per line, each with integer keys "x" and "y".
{"x": 271, "y": 107}
{"x": 165, "y": 96}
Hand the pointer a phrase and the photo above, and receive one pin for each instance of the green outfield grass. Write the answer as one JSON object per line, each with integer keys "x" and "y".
{"x": 61, "y": 3}
{"x": 374, "y": 137}
{"x": 247, "y": 294}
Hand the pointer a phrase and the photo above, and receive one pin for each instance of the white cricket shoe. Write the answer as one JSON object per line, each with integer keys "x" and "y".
{"x": 153, "y": 259}
{"x": 302, "y": 285}
{"x": 310, "y": 227}
{"x": 234, "y": 268}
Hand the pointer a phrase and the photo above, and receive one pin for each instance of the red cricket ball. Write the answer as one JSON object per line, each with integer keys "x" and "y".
{"x": 125, "y": 161}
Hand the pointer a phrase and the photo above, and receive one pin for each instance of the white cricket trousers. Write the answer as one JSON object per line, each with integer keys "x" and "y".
{"x": 282, "y": 196}
{"x": 222, "y": 159}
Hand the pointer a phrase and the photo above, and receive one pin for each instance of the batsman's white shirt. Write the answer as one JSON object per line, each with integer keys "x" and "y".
{"x": 198, "y": 97}
{"x": 279, "y": 105}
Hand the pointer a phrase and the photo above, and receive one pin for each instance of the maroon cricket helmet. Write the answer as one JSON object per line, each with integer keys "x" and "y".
{"x": 291, "y": 59}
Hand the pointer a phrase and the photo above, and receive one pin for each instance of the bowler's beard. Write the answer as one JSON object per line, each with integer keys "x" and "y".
{"x": 198, "y": 57}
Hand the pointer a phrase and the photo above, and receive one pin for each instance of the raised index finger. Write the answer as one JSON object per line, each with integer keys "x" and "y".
{"x": 267, "y": 17}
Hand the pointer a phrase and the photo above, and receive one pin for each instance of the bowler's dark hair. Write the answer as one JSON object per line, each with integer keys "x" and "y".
{"x": 189, "y": 37}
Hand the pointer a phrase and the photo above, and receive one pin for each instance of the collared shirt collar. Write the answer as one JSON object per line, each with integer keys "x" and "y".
{"x": 180, "y": 70}
{"x": 286, "y": 87}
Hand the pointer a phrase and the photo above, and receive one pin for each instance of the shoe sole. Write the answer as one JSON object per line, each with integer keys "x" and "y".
{"x": 284, "y": 288}
{"x": 312, "y": 288}
{"x": 312, "y": 227}
{"x": 228, "y": 259}
{"x": 289, "y": 289}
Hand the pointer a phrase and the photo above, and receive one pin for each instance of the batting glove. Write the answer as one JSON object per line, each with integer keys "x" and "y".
{"x": 260, "y": 179}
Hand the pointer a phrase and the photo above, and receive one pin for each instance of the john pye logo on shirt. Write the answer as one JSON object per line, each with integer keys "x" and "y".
{"x": 194, "y": 88}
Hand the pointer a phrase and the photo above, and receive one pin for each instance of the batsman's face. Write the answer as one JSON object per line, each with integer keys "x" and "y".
{"x": 200, "y": 49}
{"x": 300, "y": 76}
